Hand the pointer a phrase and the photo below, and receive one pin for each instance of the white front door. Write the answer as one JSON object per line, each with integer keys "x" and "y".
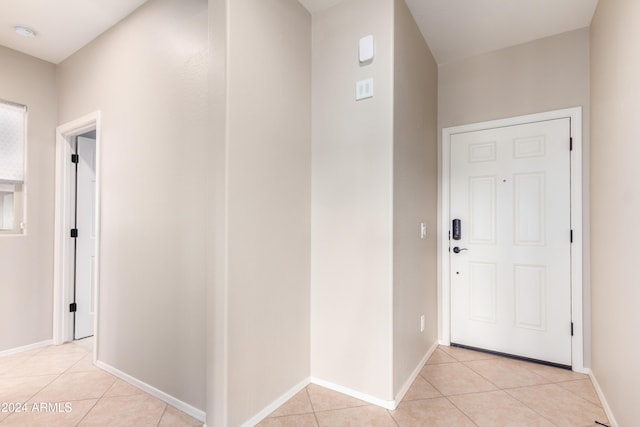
{"x": 85, "y": 242}
{"x": 511, "y": 268}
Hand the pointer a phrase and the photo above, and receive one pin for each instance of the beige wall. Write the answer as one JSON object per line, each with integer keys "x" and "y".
{"x": 415, "y": 177}
{"x": 352, "y": 205}
{"x": 148, "y": 77}
{"x": 543, "y": 75}
{"x": 615, "y": 204}
{"x": 26, "y": 261}
{"x": 268, "y": 196}
{"x": 216, "y": 295}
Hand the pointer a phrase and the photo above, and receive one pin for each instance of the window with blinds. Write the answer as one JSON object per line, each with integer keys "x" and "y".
{"x": 13, "y": 121}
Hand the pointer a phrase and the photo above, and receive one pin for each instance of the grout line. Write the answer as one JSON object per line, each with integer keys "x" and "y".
{"x": 45, "y": 386}
{"x": 97, "y": 400}
{"x": 393, "y": 418}
{"x": 162, "y": 415}
{"x": 348, "y": 407}
{"x": 461, "y": 411}
{"x": 472, "y": 392}
{"x": 525, "y": 404}
{"x": 581, "y": 398}
{"x": 442, "y": 363}
{"x": 88, "y": 411}
{"x": 481, "y": 376}
{"x": 297, "y": 414}
{"x": 306, "y": 389}
{"x": 441, "y": 348}
{"x": 109, "y": 388}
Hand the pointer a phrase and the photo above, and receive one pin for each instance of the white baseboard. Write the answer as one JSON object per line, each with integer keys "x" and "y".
{"x": 387, "y": 404}
{"x": 179, "y": 404}
{"x": 603, "y": 400}
{"x": 581, "y": 370}
{"x": 407, "y": 385}
{"x": 276, "y": 403}
{"x": 26, "y": 348}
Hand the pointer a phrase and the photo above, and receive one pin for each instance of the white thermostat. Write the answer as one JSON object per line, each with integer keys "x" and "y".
{"x": 365, "y": 49}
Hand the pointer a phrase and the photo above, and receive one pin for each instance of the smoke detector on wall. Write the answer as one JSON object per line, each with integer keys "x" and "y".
{"x": 25, "y": 31}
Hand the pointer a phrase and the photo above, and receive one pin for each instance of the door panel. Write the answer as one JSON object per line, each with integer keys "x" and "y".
{"x": 85, "y": 242}
{"x": 482, "y": 213}
{"x": 482, "y": 284}
{"x": 511, "y": 288}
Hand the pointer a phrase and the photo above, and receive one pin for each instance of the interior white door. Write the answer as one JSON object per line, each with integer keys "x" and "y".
{"x": 85, "y": 242}
{"x": 511, "y": 280}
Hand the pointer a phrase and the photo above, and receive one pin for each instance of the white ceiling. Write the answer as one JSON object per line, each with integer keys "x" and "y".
{"x": 63, "y": 26}
{"x": 316, "y": 5}
{"x": 456, "y": 29}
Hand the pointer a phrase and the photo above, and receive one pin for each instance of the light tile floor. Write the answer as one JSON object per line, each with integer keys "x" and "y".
{"x": 456, "y": 387}
{"x": 66, "y": 373}
{"x": 459, "y": 387}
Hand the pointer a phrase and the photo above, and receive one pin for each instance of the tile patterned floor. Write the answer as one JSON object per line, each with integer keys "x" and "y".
{"x": 458, "y": 388}
{"x": 61, "y": 374}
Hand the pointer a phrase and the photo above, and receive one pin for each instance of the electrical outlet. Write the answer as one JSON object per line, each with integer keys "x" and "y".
{"x": 423, "y": 230}
{"x": 422, "y": 323}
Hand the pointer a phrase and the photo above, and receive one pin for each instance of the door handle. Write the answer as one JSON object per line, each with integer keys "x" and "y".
{"x": 457, "y": 250}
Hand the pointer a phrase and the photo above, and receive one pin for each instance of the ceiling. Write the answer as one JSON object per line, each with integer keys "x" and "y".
{"x": 456, "y": 29}
{"x": 62, "y": 26}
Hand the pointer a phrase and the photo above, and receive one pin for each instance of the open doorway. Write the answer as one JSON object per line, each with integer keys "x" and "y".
{"x": 84, "y": 235}
{"x": 76, "y": 284}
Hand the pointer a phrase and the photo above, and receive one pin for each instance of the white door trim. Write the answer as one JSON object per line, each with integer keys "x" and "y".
{"x": 444, "y": 301}
{"x": 63, "y": 283}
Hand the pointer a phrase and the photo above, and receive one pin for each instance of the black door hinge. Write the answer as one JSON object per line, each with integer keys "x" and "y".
{"x": 75, "y": 158}
{"x": 73, "y": 307}
{"x": 571, "y": 144}
{"x": 571, "y": 236}
{"x": 74, "y": 232}
{"x": 571, "y": 328}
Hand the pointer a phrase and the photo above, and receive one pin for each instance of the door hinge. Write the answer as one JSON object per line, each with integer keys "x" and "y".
{"x": 571, "y": 328}
{"x": 570, "y": 143}
{"x": 571, "y": 236}
{"x": 74, "y": 232}
{"x": 75, "y": 158}
{"x": 73, "y": 307}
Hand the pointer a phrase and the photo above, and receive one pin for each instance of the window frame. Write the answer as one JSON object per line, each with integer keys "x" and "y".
{"x": 20, "y": 187}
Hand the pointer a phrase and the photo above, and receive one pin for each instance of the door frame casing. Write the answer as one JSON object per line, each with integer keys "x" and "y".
{"x": 63, "y": 250}
{"x": 444, "y": 295}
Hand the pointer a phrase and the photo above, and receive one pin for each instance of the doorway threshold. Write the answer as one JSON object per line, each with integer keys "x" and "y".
{"x": 514, "y": 356}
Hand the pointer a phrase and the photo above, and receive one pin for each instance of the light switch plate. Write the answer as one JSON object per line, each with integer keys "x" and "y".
{"x": 364, "y": 89}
